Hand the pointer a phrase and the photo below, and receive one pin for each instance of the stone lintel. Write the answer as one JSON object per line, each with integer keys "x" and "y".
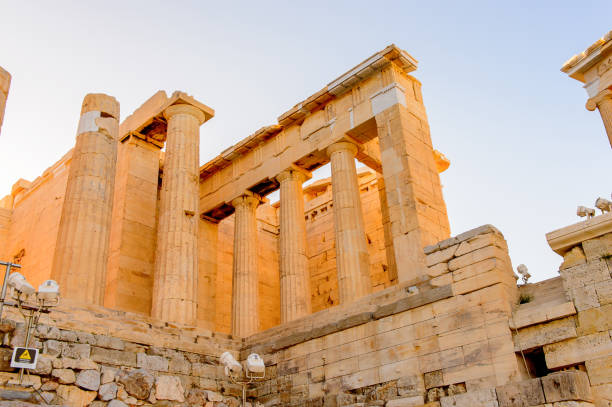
{"x": 151, "y": 112}
{"x": 564, "y": 239}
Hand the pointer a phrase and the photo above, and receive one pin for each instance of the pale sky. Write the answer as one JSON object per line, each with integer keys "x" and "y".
{"x": 524, "y": 150}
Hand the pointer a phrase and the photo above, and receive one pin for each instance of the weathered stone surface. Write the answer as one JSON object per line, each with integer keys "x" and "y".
{"x": 566, "y": 386}
{"x": 107, "y": 391}
{"x": 75, "y": 397}
{"x": 117, "y": 403}
{"x": 113, "y": 357}
{"x": 169, "y": 388}
{"x": 64, "y": 376}
{"x": 519, "y": 394}
{"x": 406, "y": 402}
{"x": 148, "y": 362}
{"x": 88, "y": 379}
{"x": 544, "y": 334}
{"x": 137, "y": 383}
{"x": 480, "y": 398}
{"x": 108, "y": 374}
{"x": 76, "y": 351}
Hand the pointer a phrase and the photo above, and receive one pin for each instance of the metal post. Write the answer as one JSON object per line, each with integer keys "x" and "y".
{"x": 4, "y": 283}
{"x": 244, "y": 394}
{"x": 27, "y": 342}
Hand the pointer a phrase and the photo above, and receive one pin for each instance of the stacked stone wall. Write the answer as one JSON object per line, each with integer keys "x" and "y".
{"x": 116, "y": 359}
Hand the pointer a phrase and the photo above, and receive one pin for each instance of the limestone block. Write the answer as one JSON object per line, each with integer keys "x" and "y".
{"x": 487, "y": 252}
{"x": 406, "y": 402}
{"x": 437, "y": 270}
{"x": 149, "y": 362}
{"x": 107, "y": 391}
{"x": 596, "y": 248}
{"x": 480, "y": 241}
{"x": 108, "y": 374}
{"x": 433, "y": 379}
{"x": 64, "y": 376}
{"x": 75, "y": 397}
{"x": 571, "y": 404}
{"x": 595, "y": 320}
{"x": 88, "y": 379}
{"x": 440, "y": 256}
{"x": 479, "y": 268}
{"x": 113, "y": 357}
{"x": 544, "y": 334}
{"x": 486, "y": 279}
{"x": 519, "y": 394}
{"x": 411, "y": 385}
{"x": 117, "y": 403}
{"x": 169, "y": 388}
{"x": 76, "y": 364}
{"x": 566, "y": 386}
{"x": 573, "y": 258}
{"x": 137, "y": 383}
{"x": 584, "y": 297}
{"x": 578, "y": 350}
{"x": 585, "y": 274}
{"x": 76, "y": 351}
{"x": 604, "y": 293}
{"x": 600, "y": 370}
{"x": 480, "y": 398}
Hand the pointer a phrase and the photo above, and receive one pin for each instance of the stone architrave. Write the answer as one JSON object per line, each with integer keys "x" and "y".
{"x": 603, "y": 103}
{"x": 5, "y": 84}
{"x": 245, "y": 281}
{"x": 176, "y": 267}
{"x": 352, "y": 257}
{"x": 294, "y": 277}
{"x": 81, "y": 252}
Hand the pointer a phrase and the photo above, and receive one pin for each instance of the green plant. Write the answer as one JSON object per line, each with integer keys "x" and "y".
{"x": 525, "y": 298}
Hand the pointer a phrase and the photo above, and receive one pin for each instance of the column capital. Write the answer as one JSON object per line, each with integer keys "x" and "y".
{"x": 593, "y": 102}
{"x": 185, "y": 109}
{"x": 342, "y": 146}
{"x": 294, "y": 172}
{"x": 247, "y": 199}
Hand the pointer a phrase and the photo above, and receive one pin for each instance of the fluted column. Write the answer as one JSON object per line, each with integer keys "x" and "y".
{"x": 5, "y": 83}
{"x": 176, "y": 263}
{"x": 81, "y": 251}
{"x": 352, "y": 257}
{"x": 603, "y": 102}
{"x": 294, "y": 278}
{"x": 245, "y": 279}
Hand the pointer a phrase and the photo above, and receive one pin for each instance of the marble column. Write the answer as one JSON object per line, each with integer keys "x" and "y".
{"x": 81, "y": 251}
{"x": 352, "y": 257}
{"x": 294, "y": 278}
{"x": 603, "y": 102}
{"x": 5, "y": 83}
{"x": 245, "y": 279}
{"x": 176, "y": 264}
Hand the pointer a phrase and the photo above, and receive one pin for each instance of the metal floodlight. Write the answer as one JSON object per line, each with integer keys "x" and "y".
{"x": 231, "y": 364}
{"x": 48, "y": 291}
{"x": 523, "y": 271}
{"x": 20, "y": 284}
{"x": 603, "y": 204}
{"x": 583, "y": 211}
{"x": 255, "y": 366}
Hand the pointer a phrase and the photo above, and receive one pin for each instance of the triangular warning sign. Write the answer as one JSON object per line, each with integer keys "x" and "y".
{"x": 25, "y": 355}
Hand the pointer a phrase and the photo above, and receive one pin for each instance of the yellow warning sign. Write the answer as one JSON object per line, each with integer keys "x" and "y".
{"x": 25, "y": 355}
{"x": 24, "y": 358}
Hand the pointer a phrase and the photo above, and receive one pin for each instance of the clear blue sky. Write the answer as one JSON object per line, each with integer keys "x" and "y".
{"x": 524, "y": 150}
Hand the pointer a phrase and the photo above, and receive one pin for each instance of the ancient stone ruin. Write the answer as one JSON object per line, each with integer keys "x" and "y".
{"x": 351, "y": 287}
